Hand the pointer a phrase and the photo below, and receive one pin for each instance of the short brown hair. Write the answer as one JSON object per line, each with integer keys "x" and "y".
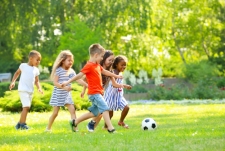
{"x": 34, "y": 53}
{"x": 96, "y": 48}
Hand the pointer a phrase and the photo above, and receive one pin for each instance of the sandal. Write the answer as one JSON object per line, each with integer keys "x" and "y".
{"x": 73, "y": 126}
{"x": 123, "y": 124}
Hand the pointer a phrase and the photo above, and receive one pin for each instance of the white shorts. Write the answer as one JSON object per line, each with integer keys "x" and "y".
{"x": 26, "y": 98}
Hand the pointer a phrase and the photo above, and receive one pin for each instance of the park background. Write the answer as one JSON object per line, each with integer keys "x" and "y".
{"x": 176, "y": 66}
{"x": 175, "y": 48}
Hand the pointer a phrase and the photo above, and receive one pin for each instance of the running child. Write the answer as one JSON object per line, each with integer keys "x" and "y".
{"x": 114, "y": 96}
{"x": 106, "y": 63}
{"x": 29, "y": 76}
{"x": 93, "y": 70}
{"x": 62, "y": 71}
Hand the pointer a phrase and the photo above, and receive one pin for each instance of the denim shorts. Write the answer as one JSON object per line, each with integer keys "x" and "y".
{"x": 98, "y": 104}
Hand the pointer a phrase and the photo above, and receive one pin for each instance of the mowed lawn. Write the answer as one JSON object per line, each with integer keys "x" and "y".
{"x": 187, "y": 127}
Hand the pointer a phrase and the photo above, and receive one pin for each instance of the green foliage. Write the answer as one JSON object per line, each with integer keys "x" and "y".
{"x": 137, "y": 89}
{"x": 181, "y": 32}
{"x": 4, "y": 86}
{"x": 221, "y": 82}
{"x": 162, "y": 93}
{"x": 197, "y": 71}
{"x": 77, "y": 38}
{"x": 202, "y": 90}
{"x": 40, "y": 103}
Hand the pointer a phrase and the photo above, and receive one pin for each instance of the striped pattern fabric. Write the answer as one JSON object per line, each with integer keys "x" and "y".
{"x": 114, "y": 97}
{"x": 61, "y": 97}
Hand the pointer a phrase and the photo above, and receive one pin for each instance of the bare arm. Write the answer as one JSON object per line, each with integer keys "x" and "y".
{"x": 115, "y": 84}
{"x": 15, "y": 76}
{"x": 77, "y": 77}
{"x": 110, "y": 74}
{"x": 82, "y": 82}
{"x": 58, "y": 85}
{"x": 37, "y": 83}
{"x": 83, "y": 91}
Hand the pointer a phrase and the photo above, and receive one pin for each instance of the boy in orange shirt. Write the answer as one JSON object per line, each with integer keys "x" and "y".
{"x": 93, "y": 70}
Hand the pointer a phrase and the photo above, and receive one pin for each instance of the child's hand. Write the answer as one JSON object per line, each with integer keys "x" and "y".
{"x": 82, "y": 94}
{"x": 40, "y": 91}
{"x": 12, "y": 85}
{"x": 128, "y": 87}
{"x": 63, "y": 84}
{"x": 67, "y": 88}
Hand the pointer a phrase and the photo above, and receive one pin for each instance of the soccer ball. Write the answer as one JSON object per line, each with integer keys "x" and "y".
{"x": 148, "y": 124}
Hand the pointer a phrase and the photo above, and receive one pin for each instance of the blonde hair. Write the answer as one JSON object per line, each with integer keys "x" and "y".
{"x": 58, "y": 62}
{"x": 96, "y": 48}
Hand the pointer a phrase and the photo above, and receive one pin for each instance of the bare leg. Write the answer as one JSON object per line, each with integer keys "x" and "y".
{"x": 23, "y": 115}
{"x": 84, "y": 117}
{"x": 53, "y": 116}
{"x": 71, "y": 110}
{"x": 110, "y": 116}
{"x": 72, "y": 113}
{"x": 106, "y": 117}
{"x": 124, "y": 113}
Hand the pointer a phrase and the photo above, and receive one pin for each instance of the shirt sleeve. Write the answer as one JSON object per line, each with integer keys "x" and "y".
{"x": 57, "y": 71}
{"x": 37, "y": 72}
{"x": 21, "y": 66}
{"x": 72, "y": 73}
{"x": 85, "y": 69}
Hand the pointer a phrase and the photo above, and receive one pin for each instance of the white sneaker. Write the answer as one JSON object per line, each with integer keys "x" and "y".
{"x": 48, "y": 131}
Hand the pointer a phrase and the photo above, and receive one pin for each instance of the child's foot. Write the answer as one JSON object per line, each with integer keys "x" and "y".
{"x": 24, "y": 126}
{"x": 73, "y": 126}
{"x": 112, "y": 131}
{"x": 48, "y": 130}
{"x": 91, "y": 126}
{"x": 123, "y": 124}
{"x": 17, "y": 126}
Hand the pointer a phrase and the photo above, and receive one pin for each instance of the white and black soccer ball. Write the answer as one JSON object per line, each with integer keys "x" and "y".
{"x": 148, "y": 124}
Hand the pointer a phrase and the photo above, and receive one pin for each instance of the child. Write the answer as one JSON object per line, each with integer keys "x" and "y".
{"x": 114, "y": 96}
{"x": 92, "y": 70}
{"x": 62, "y": 71}
{"x": 29, "y": 76}
{"x": 106, "y": 63}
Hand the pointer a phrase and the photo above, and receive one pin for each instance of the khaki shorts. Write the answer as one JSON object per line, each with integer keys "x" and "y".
{"x": 26, "y": 98}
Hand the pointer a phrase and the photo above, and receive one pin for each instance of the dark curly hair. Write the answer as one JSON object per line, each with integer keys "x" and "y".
{"x": 117, "y": 60}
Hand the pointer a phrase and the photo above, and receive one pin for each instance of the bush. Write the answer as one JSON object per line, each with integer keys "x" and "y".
{"x": 137, "y": 89}
{"x": 176, "y": 92}
{"x": 4, "y": 86}
{"x": 201, "y": 90}
{"x": 221, "y": 82}
{"x": 203, "y": 70}
{"x": 40, "y": 103}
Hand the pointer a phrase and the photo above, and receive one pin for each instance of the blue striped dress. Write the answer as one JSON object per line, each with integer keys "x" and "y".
{"x": 61, "y": 97}
{"x": 114, "y": 97}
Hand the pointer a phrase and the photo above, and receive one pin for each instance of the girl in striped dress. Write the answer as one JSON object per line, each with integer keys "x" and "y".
{"x": 114, "y": 96}
{"x": 62, "y": 71}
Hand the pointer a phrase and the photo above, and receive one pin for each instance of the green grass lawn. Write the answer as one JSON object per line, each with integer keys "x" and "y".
{"x": 180, "y": 127}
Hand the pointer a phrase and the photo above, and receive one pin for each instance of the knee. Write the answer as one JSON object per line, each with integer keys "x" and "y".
{"x": 55, "y": 114}
{"x": 26, "y": 109}
{"x": 127, "y": 108}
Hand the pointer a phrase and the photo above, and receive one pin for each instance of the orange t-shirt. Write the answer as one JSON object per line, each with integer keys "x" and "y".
{"x": 94, "y": 78}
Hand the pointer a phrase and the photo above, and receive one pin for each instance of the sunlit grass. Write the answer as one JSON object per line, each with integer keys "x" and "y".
{"x": 180, "y": 127}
